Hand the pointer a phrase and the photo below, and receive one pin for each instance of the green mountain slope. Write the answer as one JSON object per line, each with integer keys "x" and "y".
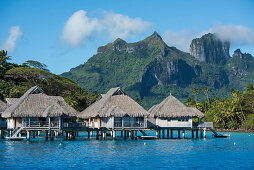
{"x": 150, "y": 70}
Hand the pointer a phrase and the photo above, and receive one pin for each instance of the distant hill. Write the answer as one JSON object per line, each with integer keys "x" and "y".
{"x": 150, "y": 70}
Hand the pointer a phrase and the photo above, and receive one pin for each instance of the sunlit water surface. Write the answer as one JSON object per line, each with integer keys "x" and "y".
{"x": 236, "y": 152}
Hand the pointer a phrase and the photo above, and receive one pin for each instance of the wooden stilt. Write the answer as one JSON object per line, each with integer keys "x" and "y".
{"x": 168, "y": 133}
{"x": 28, "y": 135}
{"x": 88, "y": 134}
{"x": 91, "y": 133}
{"x": 171, "y": 133}
{"x": 46, "y": 135}
{"x": 129, "y": 133}
{"x": 204, "y": 132}
{"x": 33, "y": 134}
{"x": 114, "y": 134}
{"x": 132, "y": 134}
{"x": 1, "y": 133}
{"x": 159, "y": 133}
{"x": 163, "y": 133}
{"x": 97, "y": 135}
{"x": 192, "y": 133}
{"x": 179, "y": 134}
{"x": 125, "y": 134}
{"x": 197, "y": 133}
{"x": 136, "y": 134}
{"x": 39, "y": 133}
{"x": 121, "y": 133}
{"x": 104, "y": 135}
{"x": 51, "y": 135}
{"x": 201, "y": 133}
{"x": 183, "y": 134}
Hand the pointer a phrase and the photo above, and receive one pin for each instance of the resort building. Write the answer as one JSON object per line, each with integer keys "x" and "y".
{"x": 115, "y": 110}
{"x": 3, "y": 123}
{"x": 171, "y": 113}
{"x": 37, "y": 111}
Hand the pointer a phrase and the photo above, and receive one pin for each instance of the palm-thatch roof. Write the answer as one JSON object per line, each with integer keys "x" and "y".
{"x": 3, "y": 106}
{"x": 114, "y": 103}
{"x": 171, "y": 107}
{"x": 34, "y": 103}
{"x": 10, "y": 101}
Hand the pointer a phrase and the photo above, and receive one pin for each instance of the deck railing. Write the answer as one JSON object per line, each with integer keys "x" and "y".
{"x": 128, "y": 124}
{"x": 74, "y": 124}
{"x": 204, "y": 124}
{"x": 40, "y": 124}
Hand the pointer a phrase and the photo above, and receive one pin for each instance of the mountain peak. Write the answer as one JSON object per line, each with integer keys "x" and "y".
{"x": 119, "y": 41}
{"x": 210, "y": 49}
{"x": 155, "y": 35}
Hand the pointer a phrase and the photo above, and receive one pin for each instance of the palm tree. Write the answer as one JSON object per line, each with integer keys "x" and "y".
{"x": 195, "y": 92}
{"x": 250, "y": 87}
{"x": 206, "y": 91}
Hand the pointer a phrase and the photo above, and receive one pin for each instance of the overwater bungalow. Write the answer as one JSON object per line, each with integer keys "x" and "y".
{"x": 171, "y": 113}
{"x": 3, "y": 123}
{"x": 115, "y": 110}
{"x": 37, "y": 111}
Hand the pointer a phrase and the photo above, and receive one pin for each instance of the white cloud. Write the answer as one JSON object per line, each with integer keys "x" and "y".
{"x": 79, "y": 27}
{"x": 181, "y": 39}
{"x": 10, "y": 43}
{"x": 120, "y": 26}
{"x": 236, "y": 34}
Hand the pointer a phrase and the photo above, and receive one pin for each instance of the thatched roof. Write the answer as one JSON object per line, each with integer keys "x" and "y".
{"x": 114, "y": 103}
{"x": 3, "y": 106}
{"x": 171, "y": 107}
{"x": 10, "y": 101}
{"x": 34, "y": 103}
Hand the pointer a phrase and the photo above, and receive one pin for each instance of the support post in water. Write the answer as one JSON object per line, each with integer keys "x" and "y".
{"x": 114, "y": 134}
{"x": 204, "y": 132}
{"x": 46, "y": 135}
{"x": 171, "y": 133}
{"x": 183, "y": 133}
{"x": 197, "y": 133}
{"x": 136, "y": 134}
{"x": 124, "y": 134}
{"x": 28, "y": 135}
{"x": 168, "y": 133}
{"x": 179, "y": 134}
{"x": 192, "y": 133}
{"x": 97, "y": 135}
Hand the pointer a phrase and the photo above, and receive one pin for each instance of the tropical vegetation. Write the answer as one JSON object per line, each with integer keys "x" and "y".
{"x": 235, "y": 112}
{"x": 16, "y": 79}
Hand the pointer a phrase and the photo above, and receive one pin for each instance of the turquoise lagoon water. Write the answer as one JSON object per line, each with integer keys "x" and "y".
{"x": 235, "y": 152}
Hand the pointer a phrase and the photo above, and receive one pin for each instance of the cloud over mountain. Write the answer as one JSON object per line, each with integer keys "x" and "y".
{"x": 236, "y": 34}
{"x": 79, "y": 27}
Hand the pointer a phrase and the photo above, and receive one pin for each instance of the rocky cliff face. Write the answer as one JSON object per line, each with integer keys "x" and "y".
{"x": 241, "y": 64}
{"x": 210, "y": 49}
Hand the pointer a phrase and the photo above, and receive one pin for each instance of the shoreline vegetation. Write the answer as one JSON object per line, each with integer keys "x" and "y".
{"x": 233, "y": 114}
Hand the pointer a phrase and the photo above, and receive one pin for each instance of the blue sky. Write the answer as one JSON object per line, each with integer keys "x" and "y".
{"x": 63, "y": 34}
